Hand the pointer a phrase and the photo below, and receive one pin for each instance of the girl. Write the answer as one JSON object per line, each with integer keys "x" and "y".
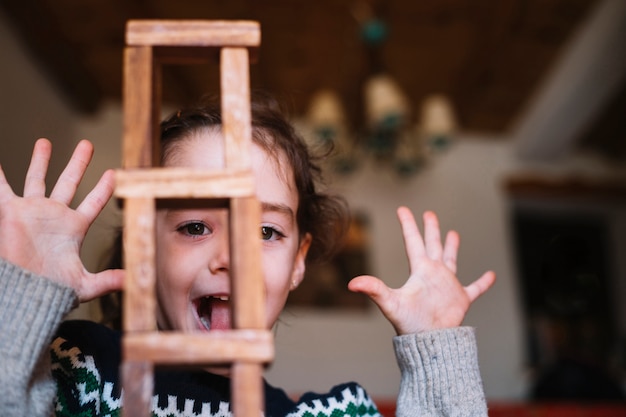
{"x": 42, "y": 278}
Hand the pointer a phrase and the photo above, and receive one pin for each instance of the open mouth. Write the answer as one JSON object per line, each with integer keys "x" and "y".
{"x": 213, "y": 312}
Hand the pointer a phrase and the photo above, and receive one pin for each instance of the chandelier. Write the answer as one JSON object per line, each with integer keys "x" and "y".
{"x": 391, "y": 133}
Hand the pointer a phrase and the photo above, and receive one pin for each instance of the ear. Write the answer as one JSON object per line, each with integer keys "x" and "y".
{"x": 299, "y": 265}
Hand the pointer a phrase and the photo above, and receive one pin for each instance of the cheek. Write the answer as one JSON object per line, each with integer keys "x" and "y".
{"x": 277, "y": 275}
{"x": 278, "y": 280}
{"x": 174, "y": 272}
{"x": 175, "y": 278}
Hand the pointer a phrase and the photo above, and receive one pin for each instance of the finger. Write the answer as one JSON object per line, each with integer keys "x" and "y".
{"x": 379, "y": 293}
{"x": 372, "y": 287}
{"x": 35, "y": 182}
{"x": 480, "y": 286}
{"x": 450, "y": 250}
{"x": 66, "y": 186}
{"x": 432, "y": 236}
{"x": 97, "y": 198}
{"x": 102, "y": 283}
{"x": 6, "y": 191}
{"x": 413, "y": 243}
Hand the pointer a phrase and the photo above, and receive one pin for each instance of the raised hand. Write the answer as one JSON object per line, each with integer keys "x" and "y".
{"x": 432, "y": 298}
{"x": 44, "y": 235}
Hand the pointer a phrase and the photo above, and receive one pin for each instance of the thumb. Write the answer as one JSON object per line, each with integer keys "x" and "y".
{"x": 371, "y": 286}
{"x": 103, "y": 283}
{"x": 480, "y": 286}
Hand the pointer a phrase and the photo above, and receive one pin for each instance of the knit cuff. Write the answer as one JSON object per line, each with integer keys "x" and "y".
{"x": 31, "y": 309}
{"x": 440, "y": 374}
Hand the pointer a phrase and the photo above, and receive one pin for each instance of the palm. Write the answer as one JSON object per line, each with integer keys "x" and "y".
{"x": 432, "y": 297}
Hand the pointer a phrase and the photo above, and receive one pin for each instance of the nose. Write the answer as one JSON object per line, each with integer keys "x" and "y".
{"x": 220, "y": 259}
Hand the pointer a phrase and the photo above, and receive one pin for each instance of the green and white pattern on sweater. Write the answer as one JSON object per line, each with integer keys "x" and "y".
{"x": 349, "y": 403}
{"x": 84, "y": 386}
{"x": 79, "y": 371}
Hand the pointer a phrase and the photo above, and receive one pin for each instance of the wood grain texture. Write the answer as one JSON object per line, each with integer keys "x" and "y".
{"x": 247, "y": 389}
{"x": 139, "y": 262}
{"x": 183, "y": 183}
{"x": 138, "y": 383}
{"x": 246, "y": 278}
{"x": 141, "y": 108}
{"x": 193, "y": 33}
{"x": 235, "y": 88}
{"x": 217, "y": 347}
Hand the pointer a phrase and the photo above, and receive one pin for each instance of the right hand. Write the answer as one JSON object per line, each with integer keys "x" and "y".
{"x": 44, "y": 235}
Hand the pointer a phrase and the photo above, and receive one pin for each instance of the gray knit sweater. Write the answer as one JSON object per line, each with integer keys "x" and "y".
{"x": 439, "y": 369}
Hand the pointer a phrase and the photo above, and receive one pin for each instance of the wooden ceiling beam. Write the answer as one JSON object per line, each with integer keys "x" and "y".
{"x": 494, "y": 84}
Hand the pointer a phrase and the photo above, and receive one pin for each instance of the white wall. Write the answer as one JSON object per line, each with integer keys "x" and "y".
{"x": 318, "y": 349}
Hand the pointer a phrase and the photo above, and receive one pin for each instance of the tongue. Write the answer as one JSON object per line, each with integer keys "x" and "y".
{"x": 215, "y": 314}
{"x": 220, "y": 315}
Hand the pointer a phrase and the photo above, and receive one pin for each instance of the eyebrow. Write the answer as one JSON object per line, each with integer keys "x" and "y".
{"x": 276, "y": 207}
{"x": 265, "y": 207}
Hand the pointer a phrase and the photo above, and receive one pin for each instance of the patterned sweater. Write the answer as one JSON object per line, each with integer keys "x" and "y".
{"x": 87, "y": 384}
{"x": 50, "y": 367}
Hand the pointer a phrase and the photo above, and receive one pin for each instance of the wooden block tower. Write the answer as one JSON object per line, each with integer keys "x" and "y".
{"x": 140, "y": 183}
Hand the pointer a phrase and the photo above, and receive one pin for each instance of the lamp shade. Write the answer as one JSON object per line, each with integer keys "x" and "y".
{"x": 385, "y": 102}
{"x": 325, "y": 109}
{"x": 437, "y": 116}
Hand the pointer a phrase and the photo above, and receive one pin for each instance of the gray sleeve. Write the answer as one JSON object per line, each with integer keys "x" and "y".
{"x": 31, "y": 309}
{"x": 439, "y": 374}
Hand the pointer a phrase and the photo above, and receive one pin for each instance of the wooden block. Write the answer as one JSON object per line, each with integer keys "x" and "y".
{"x": 139, "y": 260}
{"x": 249, "y": 345}
{"x": 247, "y": 280}
{"x": 247, "y": 389}
{"x": 183, "y": 183}
{"x": 138, "y": 383}
{"x": 142, "y": 95}
{"x": 236, "y": 122}
{"x": 216, "y": 33}
{"x": 217, "y": 347}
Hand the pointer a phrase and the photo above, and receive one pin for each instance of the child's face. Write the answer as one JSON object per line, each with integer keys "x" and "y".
{"x": 192, "y": 244}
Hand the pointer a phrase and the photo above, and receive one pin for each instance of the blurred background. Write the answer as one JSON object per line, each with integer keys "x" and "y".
{"x": 507, "y": 117}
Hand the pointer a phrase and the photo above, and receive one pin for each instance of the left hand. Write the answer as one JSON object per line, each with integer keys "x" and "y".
{"x": 44, "y": 234}
{"x": 432, "y": 298}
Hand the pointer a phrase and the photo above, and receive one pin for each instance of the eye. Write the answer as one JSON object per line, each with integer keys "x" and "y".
{"x": 194, "y": 229}
{"x": 269, "y": 233}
